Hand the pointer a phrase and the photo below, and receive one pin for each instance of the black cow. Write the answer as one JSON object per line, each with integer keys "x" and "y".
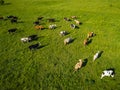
{"x": 12, "y": 30}
{"x": 35, "y": 46}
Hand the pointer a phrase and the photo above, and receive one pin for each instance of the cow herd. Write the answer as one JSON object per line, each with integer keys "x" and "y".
{"x": 39, "y": 26}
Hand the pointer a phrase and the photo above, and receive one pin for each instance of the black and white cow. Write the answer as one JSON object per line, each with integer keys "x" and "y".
{"x": 108, "y": 72}
{"x": 73, "y": 26}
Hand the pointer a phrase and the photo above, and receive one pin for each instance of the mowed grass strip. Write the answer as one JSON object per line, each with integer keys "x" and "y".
{"x": 52, "y": 66}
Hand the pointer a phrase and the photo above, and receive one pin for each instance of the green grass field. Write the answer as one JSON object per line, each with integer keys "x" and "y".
{"x": 52, "y": 67}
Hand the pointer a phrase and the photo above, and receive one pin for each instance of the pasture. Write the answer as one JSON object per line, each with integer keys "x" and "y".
{"x": 51, "y": 67}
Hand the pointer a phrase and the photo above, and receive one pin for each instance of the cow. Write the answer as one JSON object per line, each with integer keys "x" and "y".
{"x": 90, "y": 34}
{"x": 108, "y": 72}
{"x": 78, "y": 65}
{"x": 96, "y": 55}
{"x": 26, "y": 39}
{"x": 77, "y": 22}
{"x": 53, "y": 26}
{"x": 66, "y": 19}
{"x": 73, "y": 17}
{"x": 12, "y": 30}
{"x": 73, "y": 26}
{"x": 51, "y": 20}
{"x": 63, "y": 33}
{"x": 39, "y": 27}
{"x": 85, "y": 42}
{"x": 67, "y": 41}
{"x": 34, "y": 46}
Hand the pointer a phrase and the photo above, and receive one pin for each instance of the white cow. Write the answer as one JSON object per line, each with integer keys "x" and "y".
{"x": 25, "y": 39}
{"x": 67, "y": 41}
{"x": 53, "y": 26}
{"x": 107, "y": 73}
{"x": 78, "y": 65}
{"x": 96, "y": 56}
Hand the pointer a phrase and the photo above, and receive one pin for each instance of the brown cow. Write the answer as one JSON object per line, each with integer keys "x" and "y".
{"x": 39, "y": 27}
{"x": 85, "y": 42}
{"x": 90, "y": 34}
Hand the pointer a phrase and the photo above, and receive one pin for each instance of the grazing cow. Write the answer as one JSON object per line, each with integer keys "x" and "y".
{"x": 109, "y": 73}
{"x": 78, "y": 65}
{"x": 40, "y": 18}
{"x": 35, "y": 46}
{"x": 66, "y": 19}
{"x": 53, "y": 26}
{"x": 96, "y": 55}
{"x": 12, "y": 30}
{"x": 67, "y": 41}
{"x": 90, "y": 34}
{"x": 39, "y": 27}
{"x": 63, "y": 33}
{"x": 51, "y": 20}
{"x": 86, "y": 42}
{"x": 73, "y": 17}
{"x": 73, "y": 26}
{"x": 77, "y": 22}
{"x": 26, "y": 39}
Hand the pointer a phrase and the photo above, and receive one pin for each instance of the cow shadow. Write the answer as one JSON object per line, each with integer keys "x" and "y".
{"x": 100, "y": 54}
{"x": 42, "y": 46}
{"x": 89, "y": 41}
{"x": 84, "y": 62}
{"x": 7, "y": 4}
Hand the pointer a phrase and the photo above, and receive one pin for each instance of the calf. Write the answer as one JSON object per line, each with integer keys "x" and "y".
{"x": 35, "y": 46}
{"x": 109, "y": 73}
{"x": 12, "y": 30}
{"x": 78, "y": 65}
{"x": 67, "y": 41}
